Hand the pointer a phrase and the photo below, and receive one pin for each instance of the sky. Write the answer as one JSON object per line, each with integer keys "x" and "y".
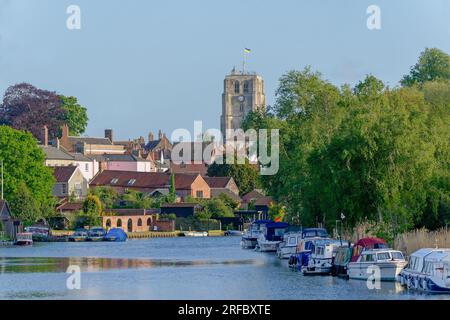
{"x": 143, "y": 65}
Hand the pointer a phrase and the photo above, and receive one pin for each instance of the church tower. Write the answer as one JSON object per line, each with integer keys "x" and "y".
{"x": 243, "y": 92}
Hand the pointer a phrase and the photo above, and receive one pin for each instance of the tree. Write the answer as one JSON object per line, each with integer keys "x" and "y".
{"x": 75, "y": 115}
{"x": 92, "y": 205}
{"x": 216, "y": 208}
{"x": 24, "y": 164}
{"x": 433, "y": 64}
{"x": 24, "y": 206}
{"x": 245, "y": 175}
{"x": 107, "y": 195}
{"x": 26, "y": 107}
{"x": 230, "y": 202}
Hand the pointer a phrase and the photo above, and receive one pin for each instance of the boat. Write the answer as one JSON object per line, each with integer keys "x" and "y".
{"x": 390, "y": 262}
{"x": 304, "y": 247}
{"x": 250, "y": 238}
{"x": 341, "y": 260}
{"x": 79, "y": 235}
{"x": 195, "y": 234}
{"x": 345, "y": 255}
{"x": 289, "y": 244}
{"x": 116, "y": 235}
{"x": 39, "y": 233}
{"x": 24, "y": 239}
{"x": 233, "y": 233}
{"x": 320, "y": 261}
{"x": 96, "y": 234}
{"x": 428, "y": 270}
{"x": 271, "y": 235}
{"x": 314, "y": 233}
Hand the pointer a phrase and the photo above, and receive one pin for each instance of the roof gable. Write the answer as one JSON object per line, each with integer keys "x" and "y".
{"x": 64, "y": 174}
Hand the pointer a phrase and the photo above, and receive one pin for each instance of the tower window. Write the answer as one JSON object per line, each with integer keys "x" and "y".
{"x": 246, "y": 86}
{"x": 237, "y": 87}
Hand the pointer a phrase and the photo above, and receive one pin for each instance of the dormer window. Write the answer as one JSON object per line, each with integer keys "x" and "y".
{"x": 131, "y": 182}
{"x": 114, "y": 181}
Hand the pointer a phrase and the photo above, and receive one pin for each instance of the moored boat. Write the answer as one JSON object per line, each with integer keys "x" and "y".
{"x": 320, "y": 261}
{"x": 389, "y": 262}
{"x": 428, "y": 270}
{"x": 24, "y": 239}
{"x": 116, "y": 235}
{"x": 250, "y": 238}
{"x": 289, "y": 244}
{"x": 271, "y": 235}
{"x": 195, "y": 234}
{"x": 78, "y": 236}
{"x": 96, "y": 234}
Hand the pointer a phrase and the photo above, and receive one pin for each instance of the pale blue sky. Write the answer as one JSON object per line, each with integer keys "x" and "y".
{"x": 143, "y": 65}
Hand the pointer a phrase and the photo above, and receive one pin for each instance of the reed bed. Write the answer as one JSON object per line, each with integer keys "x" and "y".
{"x": 422, "y": 238}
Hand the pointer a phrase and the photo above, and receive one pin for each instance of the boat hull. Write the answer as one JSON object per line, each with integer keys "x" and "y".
{"x": 286, "y": 252}
{"x": 248, "y": 243}
{"x": 422, "y": 282}
{"x": 388, "y": 270}
{"x": 268, "y": 246}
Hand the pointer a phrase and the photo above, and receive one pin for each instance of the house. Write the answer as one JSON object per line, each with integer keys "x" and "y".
{"x": 130, "y": 220}
{"x": 124, "y": 162}
{"x": 225, "y": 185}
{"x": 253, "y": 196}
{"x": 181, "y": 210}
{"x": 58, "y": 157}
{"x": 70, "y": 182}
{"x": 9, "y": 225}
{"x": 158, "y": 150}
{"x": 88, "y": 145}
{"x": 154, "y": 183}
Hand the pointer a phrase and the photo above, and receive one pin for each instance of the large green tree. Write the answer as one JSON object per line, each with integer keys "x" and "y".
{"x": 25, "y": 170}
{"x": 75, "y": 115}
{"x": 433, "y": 64}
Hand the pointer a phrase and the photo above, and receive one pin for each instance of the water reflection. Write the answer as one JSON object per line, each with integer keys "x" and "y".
{"x": 94, "y": 264}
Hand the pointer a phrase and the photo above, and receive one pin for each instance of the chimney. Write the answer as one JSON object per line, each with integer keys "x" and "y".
{"x": 160, "y": 135}
{"x": 151, "y": 137}
{"x": 109, "y": 134}
{"x": 45, "y": 136}
{"x": 65, "y": 131}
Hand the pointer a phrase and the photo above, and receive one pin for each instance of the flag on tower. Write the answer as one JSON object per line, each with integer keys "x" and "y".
{"x": 247, "y": 50}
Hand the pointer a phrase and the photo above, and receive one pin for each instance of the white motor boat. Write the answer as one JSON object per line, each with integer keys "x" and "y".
{"x": 196, "y": 234}
{"x": 289, "y": 245}
{"x": 271, "y": 236}
{"x": 390, "y": 263}
{"x": 428, "y": 270}
{"x": 320, "y": 260}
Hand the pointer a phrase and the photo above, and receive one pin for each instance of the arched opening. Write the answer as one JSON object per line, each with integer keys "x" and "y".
{"x": 149, "y": 222}
{"x": 108, "y": 223}
{"x": 119, "y": 223}
{"x": 237, "y": 87}
{"x": 246, "y": 87}
{"x": 130, "y": 225}
{"x": 140, "y": 222}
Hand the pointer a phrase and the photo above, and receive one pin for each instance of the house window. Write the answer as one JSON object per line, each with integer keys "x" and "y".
{"x": 114, "y": 181}
{"x": 64, "y": 188}
{"x": 86, "y": 167}
{"x": 237, "y": 87}
{"x": 131, "y": 182}
{"x": 199, "y": 194}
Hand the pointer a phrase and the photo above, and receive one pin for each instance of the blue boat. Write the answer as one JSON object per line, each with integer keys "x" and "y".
{"x": 250, "y": 238}
{"x": 116, "y": 235}
{"x": 271, "y": 236}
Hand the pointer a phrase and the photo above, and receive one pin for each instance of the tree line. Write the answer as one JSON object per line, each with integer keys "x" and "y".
{"x": 368, "y": 152}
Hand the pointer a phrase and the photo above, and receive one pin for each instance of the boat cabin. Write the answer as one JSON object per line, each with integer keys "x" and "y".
{"x": 380, "y": 255}
{"x": 275, "y": 231}
{"x": 367, "y": 244}
{"x": 315, "y": 233}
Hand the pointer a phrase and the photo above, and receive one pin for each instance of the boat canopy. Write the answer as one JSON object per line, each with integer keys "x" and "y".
{"x": 372, "y": 243}
{"x": 118, "y": 234}
{"x": 273, "y": 231}
{"x": 262, "y": 222}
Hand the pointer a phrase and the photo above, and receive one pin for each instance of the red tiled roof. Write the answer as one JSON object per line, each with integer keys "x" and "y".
{"x": 217, "y": 182}
{"x": 201, "y": 168}
{"x": 143, "y": 179}
{"x": 63, "y": 174}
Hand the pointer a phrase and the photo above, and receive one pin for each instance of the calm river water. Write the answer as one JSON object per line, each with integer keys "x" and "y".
{"x": 171, "y": 268}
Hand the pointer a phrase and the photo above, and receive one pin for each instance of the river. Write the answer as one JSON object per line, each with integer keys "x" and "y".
{"x": 171, "y": 268}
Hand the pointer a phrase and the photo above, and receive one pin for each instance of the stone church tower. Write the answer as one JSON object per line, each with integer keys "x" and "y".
{"x": 243, "y": 92}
